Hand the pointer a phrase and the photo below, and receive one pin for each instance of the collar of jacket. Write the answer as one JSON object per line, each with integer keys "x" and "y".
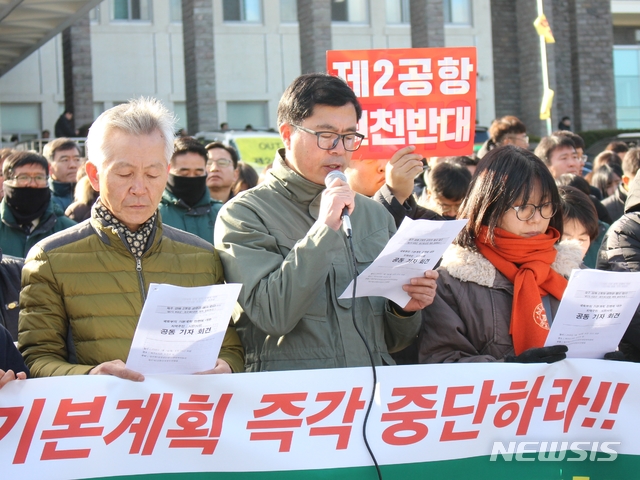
{"x": 61, "y": 189}
{"x": 471, "y": 266}
{"x": 110, "y": 236}
{"x": 47, "y": 220}
{"x": 621, "y": 193}
{"x": 203, "y": 206}
{"x": 294, "y": 186}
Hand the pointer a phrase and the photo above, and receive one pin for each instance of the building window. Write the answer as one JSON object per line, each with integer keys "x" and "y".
{"x": 457, "y": 12}
{"x": 131, "y": 10}
{"x": 241, "y": 114}
{"x": 175, "y": 11}
{"x": 626, "y": 71}
{"x": 21, "y": 120}
{"x": 288, "y": 11}
{"x": 352, "y": 11}
{"x": 398, "y": 11}
{"x": 249, "y": 11}
{"x": 180, "y": 111}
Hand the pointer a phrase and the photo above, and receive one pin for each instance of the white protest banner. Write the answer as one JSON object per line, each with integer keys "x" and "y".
{"x": 483, "y": 421}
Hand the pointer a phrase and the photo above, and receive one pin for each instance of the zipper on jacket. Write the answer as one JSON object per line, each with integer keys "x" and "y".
{"x": 140, "y": 279}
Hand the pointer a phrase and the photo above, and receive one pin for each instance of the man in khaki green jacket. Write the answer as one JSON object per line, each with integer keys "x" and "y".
{"x": 83, "y": 290}
{"x": 282, "y": 241}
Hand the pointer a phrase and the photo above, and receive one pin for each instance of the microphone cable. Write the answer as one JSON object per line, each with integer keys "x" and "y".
{"x": 373, "y": 365}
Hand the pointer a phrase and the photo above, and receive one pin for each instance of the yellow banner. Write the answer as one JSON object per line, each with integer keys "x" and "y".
{"x": 258, "y": 151}
{"x": 542, "y": 27}
{"x": 545, "y": 106}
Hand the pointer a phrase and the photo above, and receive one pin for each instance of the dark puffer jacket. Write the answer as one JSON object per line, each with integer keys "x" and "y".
{"x": 10, "y": 269}
{"x": 620, "y": 251}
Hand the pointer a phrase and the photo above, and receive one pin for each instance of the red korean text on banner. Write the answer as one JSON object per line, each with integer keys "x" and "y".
{"x": 412, "y": 96}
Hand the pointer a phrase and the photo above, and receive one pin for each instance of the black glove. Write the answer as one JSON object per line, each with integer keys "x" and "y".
{"x": 617, "y": 356}
{"x": 540, "y": 355}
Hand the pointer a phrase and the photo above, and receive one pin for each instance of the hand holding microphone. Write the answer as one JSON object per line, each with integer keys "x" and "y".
{"x": 337, "y": 202}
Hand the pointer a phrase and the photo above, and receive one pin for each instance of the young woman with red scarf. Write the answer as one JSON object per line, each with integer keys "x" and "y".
{"x": 501, "y": 281}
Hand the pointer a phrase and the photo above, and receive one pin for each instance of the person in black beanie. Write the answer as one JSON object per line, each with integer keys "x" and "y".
{"x": 186, "y": 203}
{"x": 27, "y": 212}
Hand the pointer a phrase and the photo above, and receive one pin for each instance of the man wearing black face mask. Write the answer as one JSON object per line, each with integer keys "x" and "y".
{"x": 27, "y": 212}
{"x": 186, "y": 203}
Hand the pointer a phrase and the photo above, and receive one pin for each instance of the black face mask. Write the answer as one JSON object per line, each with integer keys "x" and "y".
{"x": 27, "y": 203}
{"x": 188, "y": 189}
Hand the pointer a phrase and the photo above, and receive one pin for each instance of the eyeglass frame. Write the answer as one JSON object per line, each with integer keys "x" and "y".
{"x": 337, "y": 139}
{"x": 448, "y": 208}
{"x": 217, "y": 161}
{"x": 31, "y": 179}
{"x": 535, "y": 207}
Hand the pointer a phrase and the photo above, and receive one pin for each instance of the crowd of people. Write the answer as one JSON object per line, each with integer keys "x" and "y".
{"x": 88, "y": 236}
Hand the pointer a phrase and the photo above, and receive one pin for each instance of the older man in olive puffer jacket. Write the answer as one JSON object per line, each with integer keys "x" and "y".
{"x": 83, "y": 289}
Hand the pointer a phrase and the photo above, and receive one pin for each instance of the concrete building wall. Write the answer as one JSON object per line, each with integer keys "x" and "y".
{"x": 592, "y": 54}
{"x": 478, "y": 35}
{"x": 506, "y": 58}
{"x": 134, "y": 58}
{"x": 37, "y": 81}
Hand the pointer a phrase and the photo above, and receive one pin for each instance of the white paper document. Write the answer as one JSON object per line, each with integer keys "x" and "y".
{"x": 416, "y": 247}
{"x": 181, "y": 328}
{"x": 595, "y": 311}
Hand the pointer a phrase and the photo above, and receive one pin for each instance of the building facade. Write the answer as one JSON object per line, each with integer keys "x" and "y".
{"x": 243, "y": 53}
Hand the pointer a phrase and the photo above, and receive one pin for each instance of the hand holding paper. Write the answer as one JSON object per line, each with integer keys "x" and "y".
{"x": 414, "y": 249}
{"x": 422, "y": 291}
{"x": 595, "y": 311}
{"x": 181, "y": 329}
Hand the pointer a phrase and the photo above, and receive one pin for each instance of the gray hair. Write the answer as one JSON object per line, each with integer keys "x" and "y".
{"x": 141, "y": 116}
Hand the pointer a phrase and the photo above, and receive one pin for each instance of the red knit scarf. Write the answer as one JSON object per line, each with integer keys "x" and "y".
{"x": 526, "y": 262}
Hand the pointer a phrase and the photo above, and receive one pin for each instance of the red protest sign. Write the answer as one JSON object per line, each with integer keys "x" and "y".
{"x": 412, "y": 96}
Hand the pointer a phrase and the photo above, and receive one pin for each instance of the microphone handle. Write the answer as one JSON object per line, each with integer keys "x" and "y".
{"x": 346, "y": 222}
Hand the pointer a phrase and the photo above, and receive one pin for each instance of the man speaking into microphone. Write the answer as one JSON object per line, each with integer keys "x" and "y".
{"x": 283, "y": 242}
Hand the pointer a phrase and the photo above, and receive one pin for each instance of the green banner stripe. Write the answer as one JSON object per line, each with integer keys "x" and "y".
{"x": 477, "y": 468}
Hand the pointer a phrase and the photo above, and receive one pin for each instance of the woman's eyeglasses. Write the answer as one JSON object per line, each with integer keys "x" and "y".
{"x": 526, "y": 212}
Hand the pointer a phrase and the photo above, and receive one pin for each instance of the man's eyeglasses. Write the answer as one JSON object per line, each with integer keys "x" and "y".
{"x": 221, "y": 162}
{"x": 526, "y": 212}
{"x": 447, "y": 208}
{"x": 24, "y": 180}
{"x": 329, "y": 140}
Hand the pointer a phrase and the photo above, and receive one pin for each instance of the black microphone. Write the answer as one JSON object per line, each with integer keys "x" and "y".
{"x": 329, "y": 179}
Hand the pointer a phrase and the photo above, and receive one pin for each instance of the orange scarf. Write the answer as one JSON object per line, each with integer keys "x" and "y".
{"x": 532, "y": 279}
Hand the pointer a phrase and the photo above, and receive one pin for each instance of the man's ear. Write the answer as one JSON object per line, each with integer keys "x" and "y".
{"x": 626, "y": 180}
{"x": 92, "y": 173}
{"x": 285, "y": 132}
